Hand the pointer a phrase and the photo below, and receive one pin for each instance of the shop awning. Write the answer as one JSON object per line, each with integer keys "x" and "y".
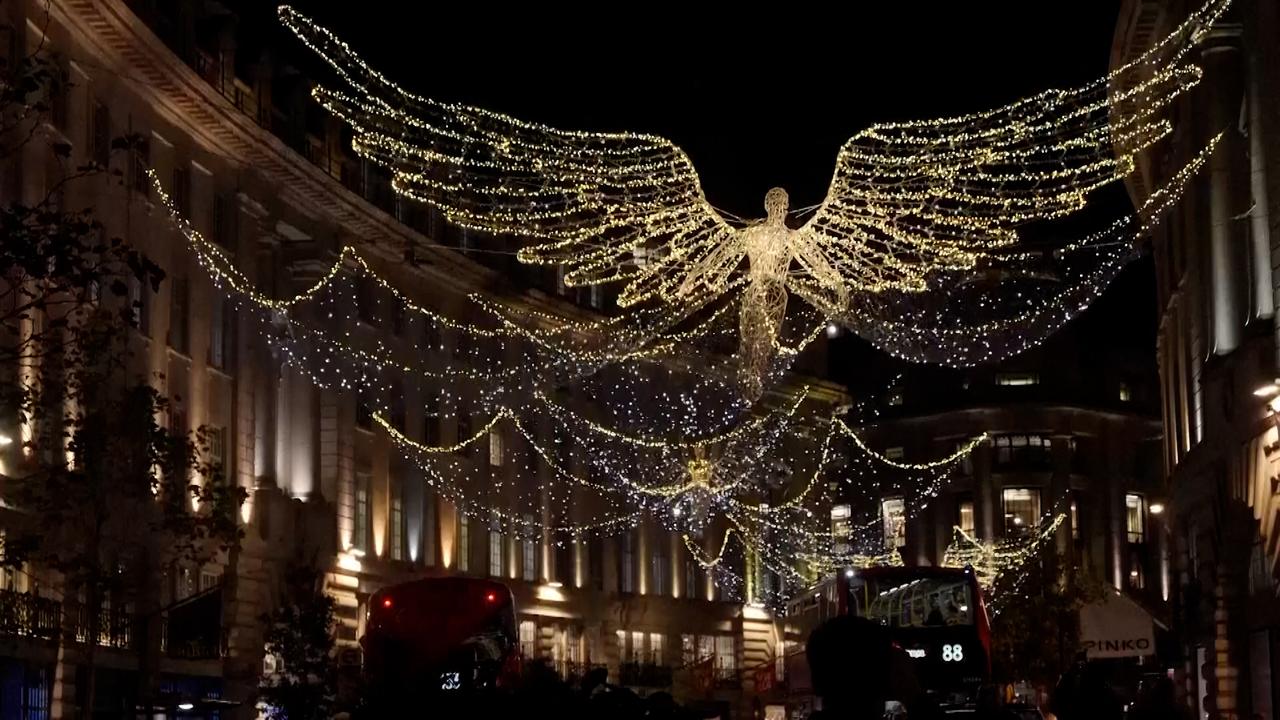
{"x": 1116, "y": 627}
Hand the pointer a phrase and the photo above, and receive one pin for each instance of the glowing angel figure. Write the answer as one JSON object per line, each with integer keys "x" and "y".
{"x": 907, "y": 202}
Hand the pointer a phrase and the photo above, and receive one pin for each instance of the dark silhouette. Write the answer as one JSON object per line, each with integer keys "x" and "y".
{"x": 1158, "y": 701}
{"x": 856, "y": 669}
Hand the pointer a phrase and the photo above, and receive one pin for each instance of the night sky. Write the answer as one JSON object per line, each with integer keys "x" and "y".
{"x": 756, "y": 98}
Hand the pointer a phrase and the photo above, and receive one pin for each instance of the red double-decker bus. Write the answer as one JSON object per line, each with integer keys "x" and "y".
{"x": 936, "y": 615}
{"x": 440, "y": 637}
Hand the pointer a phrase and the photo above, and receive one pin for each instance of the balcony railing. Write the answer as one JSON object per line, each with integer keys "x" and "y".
{"x": 644, "y": 675}
{"x": 115, "y": 627}
{"x": 26, "y": 615}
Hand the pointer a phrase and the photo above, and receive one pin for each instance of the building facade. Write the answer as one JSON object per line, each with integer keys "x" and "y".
{"x": 229, "y": 127}
{"x": 1069, "y": 434}
{"x": 1217, "y": 349}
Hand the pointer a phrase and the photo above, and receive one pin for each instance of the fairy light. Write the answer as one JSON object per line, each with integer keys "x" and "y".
{"x": 906, "y": 202}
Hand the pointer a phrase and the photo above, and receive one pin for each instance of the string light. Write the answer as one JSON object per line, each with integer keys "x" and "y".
{"x": 907, "y": 202}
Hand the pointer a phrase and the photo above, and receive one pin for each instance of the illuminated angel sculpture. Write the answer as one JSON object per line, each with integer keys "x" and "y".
{"x": 908, "y": 202}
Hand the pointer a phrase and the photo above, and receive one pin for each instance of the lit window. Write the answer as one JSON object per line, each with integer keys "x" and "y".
{"x": 840, "y": 520}
{"x": 637, "y": 646}
{"x": 1075, "y": 520}
{"x": 1125, "y": 395}
{"x": 966, "y": 516}
{"x": 726, "y": 657}
{"x": 895, "y": 397}
{"x": 495, "y": 448}
{"x": 657, "y": 648}
{"x": 893, "y": 513}
{"x": 1021, "y": 511}
{"x": 1017, "y": 379}
{"x": 894, "y": 453}
{"x": 688, "y": 650}
{"x": 1135, "y": 517}
{"x": 528, "y": 638}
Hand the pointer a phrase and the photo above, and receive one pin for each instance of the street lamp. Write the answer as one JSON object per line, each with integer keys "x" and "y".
{"x": 1156, "y": 508}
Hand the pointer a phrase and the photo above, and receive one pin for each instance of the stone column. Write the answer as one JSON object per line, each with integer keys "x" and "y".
{"x": 1059, "y": 500}
{"x": 1226, "y": 243}
{"x": 984, "y": 501}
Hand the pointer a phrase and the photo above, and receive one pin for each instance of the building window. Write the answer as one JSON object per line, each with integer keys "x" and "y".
{"x": 1137, "y": 575}
{"x": 1260, "y": 578}
{"x": 1021, "y": 511}
{"x": 529, "y": 639}
{"x": 100, "y": 139}
{"x": 181, "y": 190}
{"x": 688, "y": 650}
{"x": 397, "y": 527}
{"x": 140, "y": 163}
{"x": 496, "y": 554}
{"x": 661, "y": 571}
{"x": 726, "y": 657}
{"x": 495, "y": 448}
{"x": 895, "y": 397}
{"x": 529, "y": 550}
{"x": 398, "y": 317}
{"x": 1017, "y": 379}
{"x": 179, "y": 303}
{"x": 626, "y": 564}
{"x": 1075, "y": 519}
{"x": 1125, "y": 394}
{"x": 221, "y": 333}
{"x": 966, "y": 462}
{"x": 894, "y": 453}
{"x": 364, "y": 412}
{"x": 366, "y": 301}
{"x": 361, "y": 539}
{"x": 692, "y": 588}
{"x": 657, "y": 648}
{"x": 1135, "y": 517}
{"x": 964, "y": 516}
{"x": 893, "y": 514}
{"x": 140, "y": 302}
{"x": 1023, "y": 450}
{"x": 464, "y": 429}
{"x": 431, "y": 421}
{"x": 637, "y": 647}
{"x": 224, "y": 220}
{"x": 840, "y": 515}
{"x": 464, "y": 541}
{"x": 218, "y": 449}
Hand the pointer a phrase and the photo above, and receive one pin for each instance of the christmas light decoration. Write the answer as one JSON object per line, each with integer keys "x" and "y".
{"x": 990, "y": 560}
{"x": 909, "y": 203}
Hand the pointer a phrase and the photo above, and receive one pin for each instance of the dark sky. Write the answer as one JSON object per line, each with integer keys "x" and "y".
{"x": 757, "y": 97}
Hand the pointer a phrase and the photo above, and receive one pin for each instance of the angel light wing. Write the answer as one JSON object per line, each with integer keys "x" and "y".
{"x": 908, "y": 199}
{"x": 594, "y": 200}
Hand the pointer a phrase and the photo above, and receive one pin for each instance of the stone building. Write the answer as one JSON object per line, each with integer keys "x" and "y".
{"x": 1217, "y": 349}
{"x": 261, "y": 171}
{"x": 1070, "y": 433}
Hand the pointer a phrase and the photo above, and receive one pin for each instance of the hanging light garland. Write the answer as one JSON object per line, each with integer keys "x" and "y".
{"x": 909, "y": 203}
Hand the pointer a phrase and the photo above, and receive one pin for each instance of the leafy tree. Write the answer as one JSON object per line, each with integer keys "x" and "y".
{"x": 101, "y": 493}
{"x": 300, "y": 636}
{"x": 1035, "y": 628}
